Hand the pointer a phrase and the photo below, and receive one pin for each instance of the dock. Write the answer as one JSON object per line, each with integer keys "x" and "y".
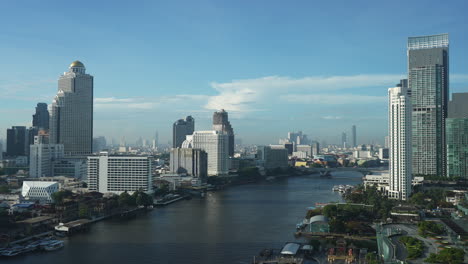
{"x": 73, "y": 226}
{"x": 169, "y": 201}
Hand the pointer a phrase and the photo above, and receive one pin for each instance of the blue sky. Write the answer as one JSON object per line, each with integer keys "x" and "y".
{"x": 275, "y": 66}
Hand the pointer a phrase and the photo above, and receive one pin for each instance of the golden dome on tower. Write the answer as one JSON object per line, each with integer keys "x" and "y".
{"x": 76, "y": 63}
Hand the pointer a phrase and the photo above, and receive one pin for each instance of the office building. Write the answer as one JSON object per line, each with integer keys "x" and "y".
{"x": 42, "y": 157}
{"x": 221, "y": 123}
{"x": 41, "y": 117}
{"x": 192, "y": 162}
{"x": 99, "y": 144}
{"x": 117, "y": 174}
{"x": 344, "y": 140}
{"x": 305, "y": 148}
{"x": 399, "y": 131}
{"x": 384, "y": 153}
{"x": 428, "y": 84}
{"x": 271, "y": 157}
{"x": 354, "y": 136}
{"x": 17, "y": 141}
{"x": 39, "y": 191}
{"x": 71, "y": 112}
{"x": 215, "y": 144}
{"x": 75, "y": 167}
{"x": 180, "y": 129}
{"x": 457, "y": 136}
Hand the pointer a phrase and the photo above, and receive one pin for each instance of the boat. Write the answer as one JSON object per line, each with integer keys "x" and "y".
{"x": 325, "y": 174}
{"x": 54, "y": 245}
{"x": 11, "y": 252}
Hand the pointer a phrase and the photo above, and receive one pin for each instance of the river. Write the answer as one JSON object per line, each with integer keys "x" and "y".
{"x": 228, "y": 226}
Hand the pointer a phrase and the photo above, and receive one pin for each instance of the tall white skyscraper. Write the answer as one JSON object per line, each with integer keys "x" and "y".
{"x": 216, "y": 145}
{"x": 399, "y": 131}
{"x": 71, "y": 112}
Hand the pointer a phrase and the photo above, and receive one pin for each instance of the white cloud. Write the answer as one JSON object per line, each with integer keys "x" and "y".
{"x": 182, "y": 101}
{"x": 333, "y": 99}
{"x": 332, "y": 117}
{"x": 253, "y": 94}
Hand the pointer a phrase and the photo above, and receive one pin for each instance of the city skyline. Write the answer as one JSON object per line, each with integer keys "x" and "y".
{"x": 186, "y": 79}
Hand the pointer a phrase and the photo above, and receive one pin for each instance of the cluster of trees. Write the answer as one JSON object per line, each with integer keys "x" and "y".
{"x": 430, "y": 199}
{"x": 250, "y": 173}
{"x": 430, "y": 228}
{"x": 347, "y": 218}
{"x": 138, "y": 198}
{"x": 372, "y": 258}
{"x": 58, "y": 197}
{"x": 371, "y": 196}
{"x": 4, "y": 189}
{"x": 447, "y": 256}
{"x": 415, "y": 247}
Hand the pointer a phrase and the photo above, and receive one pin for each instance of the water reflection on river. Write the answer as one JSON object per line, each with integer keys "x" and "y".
{"x": 228, "y": 226}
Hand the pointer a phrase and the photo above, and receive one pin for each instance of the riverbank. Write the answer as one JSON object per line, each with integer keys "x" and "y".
{"x": 229, "y": 226}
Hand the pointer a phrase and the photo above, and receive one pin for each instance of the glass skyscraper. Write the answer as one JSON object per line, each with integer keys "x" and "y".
{"x": 428, "y": 68}
{"x": 457, "y": 136}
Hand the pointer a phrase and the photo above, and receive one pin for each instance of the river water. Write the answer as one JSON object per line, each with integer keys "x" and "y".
{"x": 228, "y": 226}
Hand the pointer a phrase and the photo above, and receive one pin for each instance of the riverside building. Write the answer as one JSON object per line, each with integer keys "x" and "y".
{"x": 117, "y": 174}
{"x": 457, "y": 136}
{"x": 216, "y": 145}
{"x": 428, "y": 84}
{"x": 399, "y": 131}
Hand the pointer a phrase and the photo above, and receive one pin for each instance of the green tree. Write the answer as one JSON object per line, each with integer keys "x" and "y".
{"x": 447, "y": 256}
{"x": 83, "y": 210}
{"x": 4, "y": 189}
{"x": 330, "y": 210}
{"x": 59, "y": 196}
{"x": 125, "y": 199}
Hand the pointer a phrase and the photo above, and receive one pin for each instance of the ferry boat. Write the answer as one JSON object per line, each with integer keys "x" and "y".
{"x": 11, "y": 252}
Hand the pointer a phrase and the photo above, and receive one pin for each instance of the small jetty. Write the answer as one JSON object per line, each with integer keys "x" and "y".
{"x": 170, "y": 198}
{"x": 72, "y": 227}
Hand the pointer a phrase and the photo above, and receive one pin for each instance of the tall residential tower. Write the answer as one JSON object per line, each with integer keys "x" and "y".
{"x": 71, "y": 112}
{"x": 399, "y": 131}
{"x": 428, "y": 83}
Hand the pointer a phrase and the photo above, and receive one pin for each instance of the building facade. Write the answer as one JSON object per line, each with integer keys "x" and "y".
{"x": 270, "y": 157}
{"x": 354, "y": 136}
{"x": 117, "y": 174}
{"x": 457, "y": 136}
{"x": 71, "y": 112}
{"x": 39, "y": 191}
{"x": 399, "y": 131}
{"x": 221, "y": 123}
{"x": 42, "y": 157}
{"x": 193, "y": 162}
{"x": 180, "y": 129}
{"x": 428, "y": 84}
{"x": 215, "y": 144}
{"x": 17, "y": 141}
{"x": 41, "y": 117}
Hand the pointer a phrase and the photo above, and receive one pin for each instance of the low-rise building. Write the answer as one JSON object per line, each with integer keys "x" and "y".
{"x": 270, "y": 157}
{"x": 39, "y": 191}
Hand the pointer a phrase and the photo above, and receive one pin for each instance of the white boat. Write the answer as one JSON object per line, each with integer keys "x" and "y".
{"x": 54, "y": 245}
